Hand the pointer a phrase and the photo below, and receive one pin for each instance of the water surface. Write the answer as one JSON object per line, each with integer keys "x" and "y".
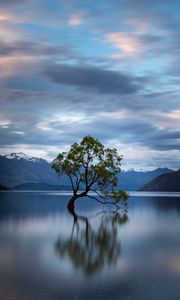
{"x": 46, "y": 254}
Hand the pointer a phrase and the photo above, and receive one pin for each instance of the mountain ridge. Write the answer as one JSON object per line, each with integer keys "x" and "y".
{"x": 19, "y": 168}
{"x": 21, "y": 155}
{"x": 42, "y": 186}
{"x": 164, "y": 183}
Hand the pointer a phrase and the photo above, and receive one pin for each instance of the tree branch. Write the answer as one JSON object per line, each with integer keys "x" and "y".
{"x": 103, "y": 202}
{"x": 95, "y": 198}
{"x": 86, "y": 174}
{"x": 94, "y": 179}
{"x": 99, "y": 195}
{"x": 72, "y": 183}
{"x": 78, "y": 180}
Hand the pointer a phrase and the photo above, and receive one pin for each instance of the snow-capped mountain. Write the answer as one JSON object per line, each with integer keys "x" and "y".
{"x": 19, "y": 168}
{"x": 21, "y": 155}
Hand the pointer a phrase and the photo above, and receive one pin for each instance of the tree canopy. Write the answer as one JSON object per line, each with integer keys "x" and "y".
{"x": 92, "y": 170}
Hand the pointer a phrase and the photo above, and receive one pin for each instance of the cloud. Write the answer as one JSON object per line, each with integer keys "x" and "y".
{"x": 4, "y": 123}
{"x": 69, "y": 121}
{"x": 27, "y": 57}
{"x": 75, "y": 20}
{"x": 126, "y": 42}
{"x": 32, "y": 48}
{"x": 93, "y": 79}
{"x": 133, "y": 45}
{"x": 6, "y": 3}
{"x": 59, "y": 81}
{"x": 140, "y": 25}
{"x": 168, "y": 120}
{"x": 64, "y": 119}
{"x": 135, "y": 138}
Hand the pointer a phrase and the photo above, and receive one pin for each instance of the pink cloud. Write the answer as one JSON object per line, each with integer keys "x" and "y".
{"x": 75, "y": 20}
{"x": 128, "y": 43}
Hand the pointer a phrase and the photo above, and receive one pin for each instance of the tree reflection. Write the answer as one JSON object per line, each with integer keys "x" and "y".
{"x": 91, "y": 248}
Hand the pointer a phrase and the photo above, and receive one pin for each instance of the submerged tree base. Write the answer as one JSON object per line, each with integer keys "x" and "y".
{"x": 71, "y": 203}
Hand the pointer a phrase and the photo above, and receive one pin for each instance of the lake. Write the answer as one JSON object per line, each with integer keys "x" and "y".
{"x": 47, "y": 253}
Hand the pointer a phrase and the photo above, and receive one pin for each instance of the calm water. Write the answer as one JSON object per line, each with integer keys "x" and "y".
{"x": 45, "y": 255}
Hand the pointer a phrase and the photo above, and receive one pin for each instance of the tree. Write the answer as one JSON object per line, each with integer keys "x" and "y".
{"x": 92, "y": 167}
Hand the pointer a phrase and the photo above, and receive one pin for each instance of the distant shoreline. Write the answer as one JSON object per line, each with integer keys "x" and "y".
{"x": 131, "y": 193}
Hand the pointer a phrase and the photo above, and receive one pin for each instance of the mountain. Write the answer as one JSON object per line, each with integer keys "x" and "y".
{"x": 42, "y": 187}
{"x": 19, "y": 168}
{"x": 4, "y": 188}
{"x": 21, "y": 155}
{"x": 134, "y": 180}
{"x": 164, "y": 183}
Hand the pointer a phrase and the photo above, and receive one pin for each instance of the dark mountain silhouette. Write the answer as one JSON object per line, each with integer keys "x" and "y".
{"x": 164, "y": 183}
{"x": 134, "y": 180}
{"x": 4, "y": 188}
{"x": 42, "y": 187}
{"x": 25, "y": 172}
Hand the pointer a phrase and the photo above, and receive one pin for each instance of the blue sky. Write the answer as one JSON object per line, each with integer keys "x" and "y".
{"x": 105, "y": 68}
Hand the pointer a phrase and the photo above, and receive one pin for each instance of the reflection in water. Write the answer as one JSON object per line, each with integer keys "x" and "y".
{"x": 97, "y": 258}
{"x": 89, "y": 248}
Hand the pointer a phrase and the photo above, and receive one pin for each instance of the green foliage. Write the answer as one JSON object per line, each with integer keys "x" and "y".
{"x": 91, "y": 165}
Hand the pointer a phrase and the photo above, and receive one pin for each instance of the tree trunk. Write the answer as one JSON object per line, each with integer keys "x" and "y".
{"x": 71, "y": 202}
{"x": 73, "y": 199}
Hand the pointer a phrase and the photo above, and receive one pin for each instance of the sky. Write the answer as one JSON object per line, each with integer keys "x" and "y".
{"x": 109, "y": 69}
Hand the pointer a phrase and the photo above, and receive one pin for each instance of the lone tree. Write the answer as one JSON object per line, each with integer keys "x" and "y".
{"x": 93, "y": 169}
